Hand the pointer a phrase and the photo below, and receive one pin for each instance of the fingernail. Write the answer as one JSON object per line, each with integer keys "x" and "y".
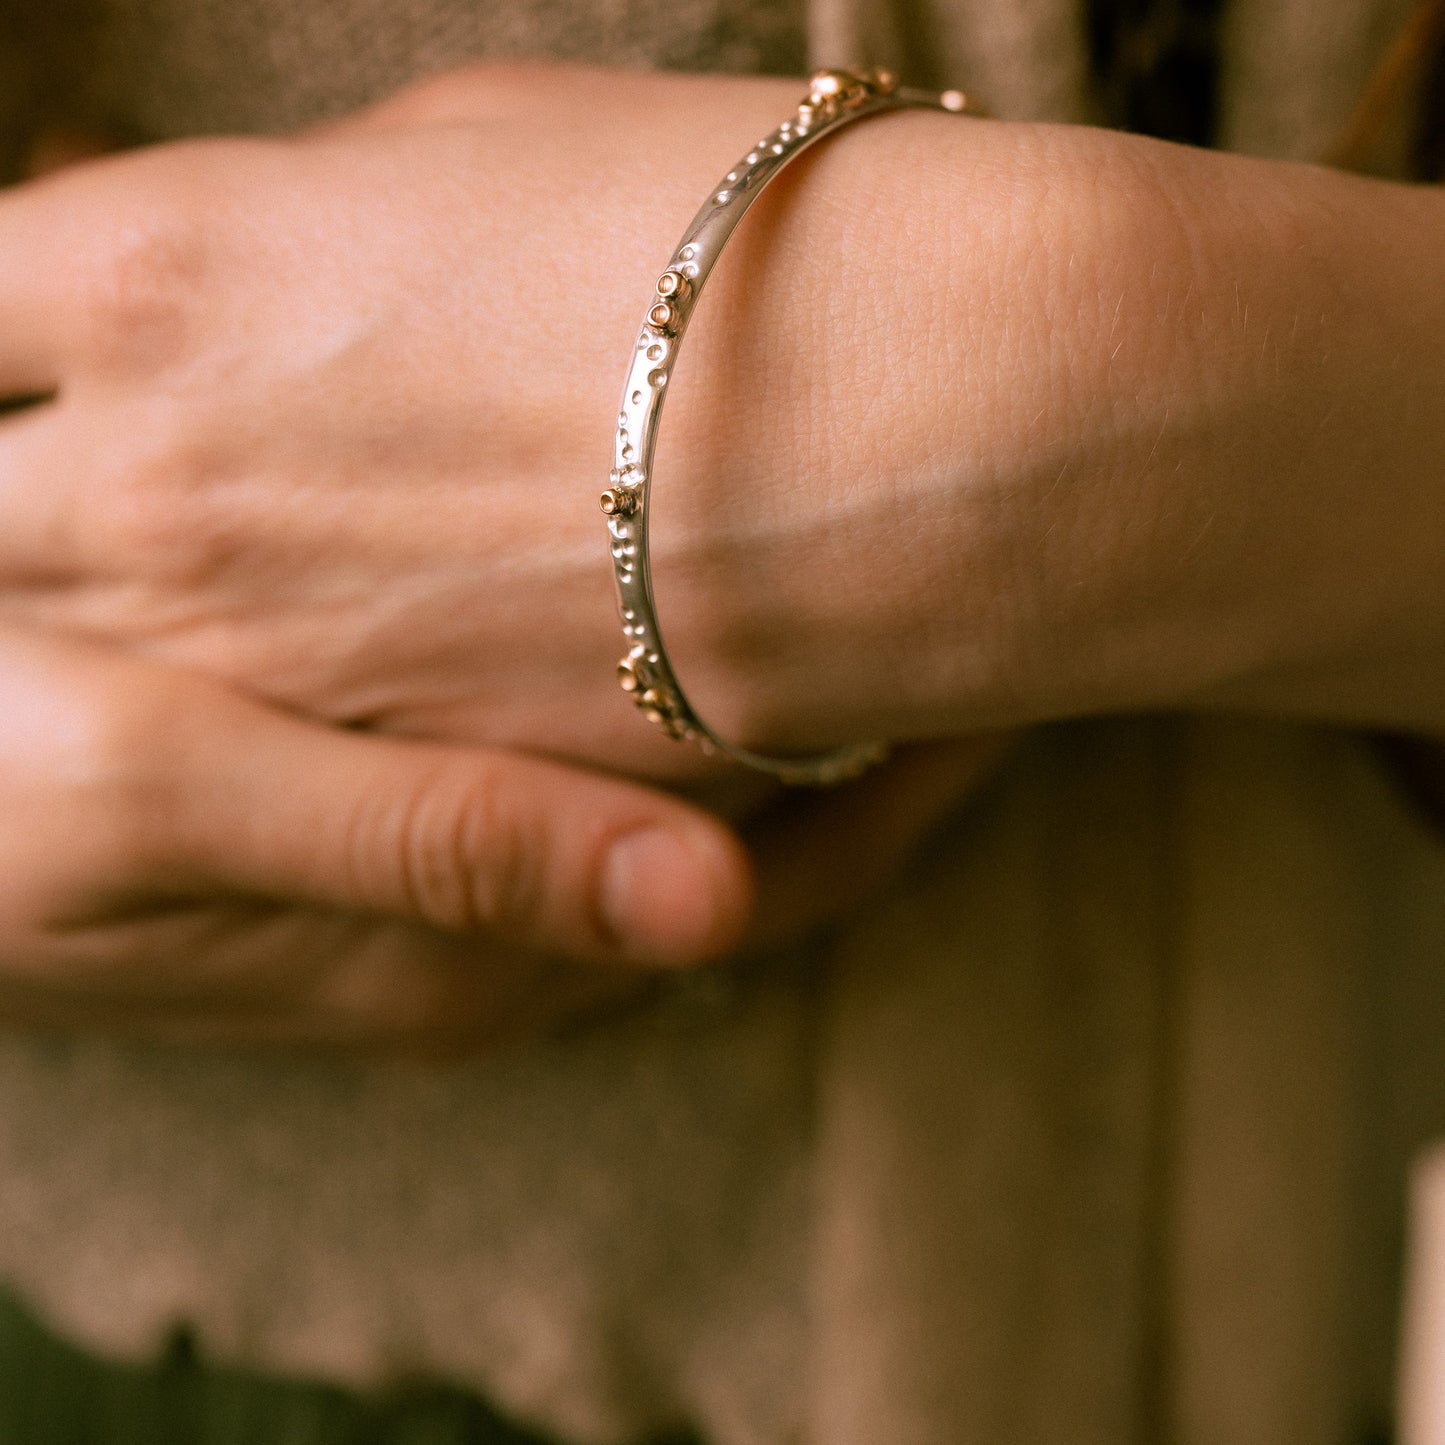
{"x": 667, "y": 894}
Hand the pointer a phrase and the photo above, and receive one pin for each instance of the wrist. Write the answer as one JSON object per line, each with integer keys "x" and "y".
{"x": 805, "y": 430}
{"x": 901, "y": 358}
{"x": 1079, "y": 423}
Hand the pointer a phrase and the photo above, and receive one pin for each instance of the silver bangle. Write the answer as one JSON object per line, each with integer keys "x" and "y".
{"x": 835, "y": 97}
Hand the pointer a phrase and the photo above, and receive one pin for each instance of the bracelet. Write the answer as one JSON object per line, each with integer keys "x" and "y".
{"x": 835, "y": 97}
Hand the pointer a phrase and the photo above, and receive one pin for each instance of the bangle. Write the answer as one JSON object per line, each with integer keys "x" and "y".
{"x": 835, "y": 97}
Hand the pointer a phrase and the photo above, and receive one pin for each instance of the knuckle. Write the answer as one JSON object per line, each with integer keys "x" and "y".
{"x": 159, "y": 511}
{"x": 116, "y": 774}
{"x": 99, "y": 817}
{"x": 93, "y": 757}
{"x": 138, "y": 286}
{"x": 473, "y": 856}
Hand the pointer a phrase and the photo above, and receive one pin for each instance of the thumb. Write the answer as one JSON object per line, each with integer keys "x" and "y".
{"x": 206, "y": 792}
{"x": 550, "y": 856}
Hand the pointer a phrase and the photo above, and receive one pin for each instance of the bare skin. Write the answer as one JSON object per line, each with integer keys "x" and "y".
{"x": 179, "y": 862}
{"x": 1057, "y": 422}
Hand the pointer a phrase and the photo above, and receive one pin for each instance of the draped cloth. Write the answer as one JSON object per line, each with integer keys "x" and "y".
{"x": 1098, "y": 1128}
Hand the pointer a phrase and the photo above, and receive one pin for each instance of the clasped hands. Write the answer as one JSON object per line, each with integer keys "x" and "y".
{"x": 306, "y": 635}
{"x": 306, "y": 630}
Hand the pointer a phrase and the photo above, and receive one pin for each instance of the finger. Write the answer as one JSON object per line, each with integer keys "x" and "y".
{"x": 820, "y": 857}
{"x": 536, "y": 852}
{"x": 125, "y": 782}
{"x": 35, "y": 300}
{"x": 104, "y": 266}
{"x": 36, "y": 305}
{"x": 45, "y": 486}
{"x": 307, "y": 978}
{"x": 259, "y": 975}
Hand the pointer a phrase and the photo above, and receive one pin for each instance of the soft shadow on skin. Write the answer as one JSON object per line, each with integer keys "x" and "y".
{"x": 9, "y": 405}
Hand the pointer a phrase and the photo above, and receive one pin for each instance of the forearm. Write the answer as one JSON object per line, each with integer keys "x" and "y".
{"x": 1354, "y": 591}
{"x": 1078, "y": 423}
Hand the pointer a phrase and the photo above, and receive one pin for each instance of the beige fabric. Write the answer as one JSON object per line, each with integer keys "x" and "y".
{"x": 1095, "y": 1131}
{"x": 1296, "y": 68}
{"x": 1091, "y": 1134}
{"x": 159, "y": 68}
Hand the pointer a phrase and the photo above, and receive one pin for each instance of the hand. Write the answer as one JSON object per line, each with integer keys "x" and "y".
{"x": 179, "y": 863}
{"x": 102, "y": 938}
{"x": 1064, "y": 432}
{"x": 305, "y": 435}
{"x": 312, "y": 426}
{"x": 175, "y": 859}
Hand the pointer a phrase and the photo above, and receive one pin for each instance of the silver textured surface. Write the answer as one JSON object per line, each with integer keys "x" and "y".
{"x": 646, "y": 671}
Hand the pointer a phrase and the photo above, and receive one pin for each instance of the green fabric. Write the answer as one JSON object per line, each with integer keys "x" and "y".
{"x": 54, "y": 1394}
